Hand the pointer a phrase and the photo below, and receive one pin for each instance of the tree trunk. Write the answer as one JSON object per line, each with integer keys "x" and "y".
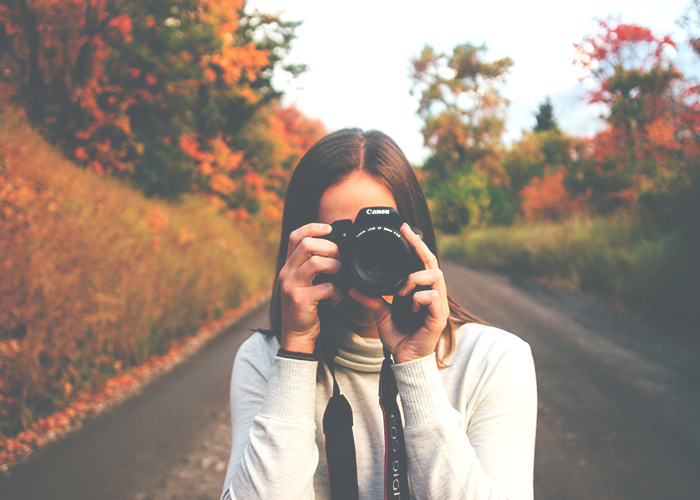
{"x": 35, "y": 93}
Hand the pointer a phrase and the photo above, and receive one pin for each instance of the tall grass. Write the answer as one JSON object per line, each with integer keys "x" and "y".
{"x": 95, "y": 278}
{"x": 619, "y": 258}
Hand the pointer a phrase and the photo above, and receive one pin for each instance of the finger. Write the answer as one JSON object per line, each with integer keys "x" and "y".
{"x": 309, "y": 247}
{"x": 430, "y": 299}
{"x": 377, "y": 305}
{"x": 424, "y": 254}
{"x": 312, "y": 267}
{"x": 304, "y": 297}
{"x": 306, "y": 231}
{"x": 325, "y": 291}
{"x": 434, "y": 278}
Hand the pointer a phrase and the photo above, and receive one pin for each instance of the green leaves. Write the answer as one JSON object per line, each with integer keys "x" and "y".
{"x": 464, "y": 113}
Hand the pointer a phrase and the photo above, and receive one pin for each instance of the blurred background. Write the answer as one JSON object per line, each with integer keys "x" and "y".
{"x": 146, "y": 145}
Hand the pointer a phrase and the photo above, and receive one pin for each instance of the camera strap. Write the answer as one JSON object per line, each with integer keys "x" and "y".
{"x": 395, "y": 463}
{"x": 340, "y": 444}
{"x": 341, "y": 458}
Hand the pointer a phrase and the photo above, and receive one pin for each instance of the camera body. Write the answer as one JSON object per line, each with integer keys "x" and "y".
{"x": 375, "y": 256}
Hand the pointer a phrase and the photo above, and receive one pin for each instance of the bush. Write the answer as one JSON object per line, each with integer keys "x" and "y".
{"x": 461, "y": 200}
{"x": 620, "y": 258}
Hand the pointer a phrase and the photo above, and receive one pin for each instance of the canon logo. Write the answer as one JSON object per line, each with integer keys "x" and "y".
{"x": 374, "y": 211}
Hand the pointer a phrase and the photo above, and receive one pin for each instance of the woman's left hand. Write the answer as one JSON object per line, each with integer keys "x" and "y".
{"x": 407, "y": 347}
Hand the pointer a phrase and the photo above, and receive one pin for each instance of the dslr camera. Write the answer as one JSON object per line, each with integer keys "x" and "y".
{"x": 376, "y": 259}
{"x": 375, "y": 256}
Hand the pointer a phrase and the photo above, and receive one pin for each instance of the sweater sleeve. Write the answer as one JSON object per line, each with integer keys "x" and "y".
{"x": 273, "y": 449}
{"x": 494, "y": 459}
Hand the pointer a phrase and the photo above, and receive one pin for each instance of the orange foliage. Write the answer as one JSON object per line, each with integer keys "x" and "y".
{"x": 74, "y": 40}
{"x": 547, "y": 199}
{"x": 65, "y": 44}
{"x": 83, "y": 294}
{"x": 293, "y": 132}
{"x": 89, "y": 404}
{"x": 261, "y": 173}
{"x": 649, "y": 146}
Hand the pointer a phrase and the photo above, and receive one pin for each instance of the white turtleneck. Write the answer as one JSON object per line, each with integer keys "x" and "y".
{"x": 469, "y": 428}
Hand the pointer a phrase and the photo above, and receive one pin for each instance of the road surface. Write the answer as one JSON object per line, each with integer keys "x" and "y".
{"x": 619, "y": 409}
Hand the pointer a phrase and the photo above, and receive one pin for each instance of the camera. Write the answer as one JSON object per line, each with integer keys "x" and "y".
{"x": 376, "y": 259}
{"x": 375, "y": 256}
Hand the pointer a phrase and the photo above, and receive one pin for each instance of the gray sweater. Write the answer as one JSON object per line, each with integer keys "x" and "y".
{"x": 469, "y": 428}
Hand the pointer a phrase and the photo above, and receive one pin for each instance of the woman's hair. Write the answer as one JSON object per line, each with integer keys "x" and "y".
{"x": 328, "y": 162}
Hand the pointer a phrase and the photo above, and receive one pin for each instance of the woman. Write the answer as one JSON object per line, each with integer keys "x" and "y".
{"x": 467, "y": 390}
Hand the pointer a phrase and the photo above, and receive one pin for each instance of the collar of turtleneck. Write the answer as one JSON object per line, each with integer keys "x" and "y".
{"x": 359, "y": 353}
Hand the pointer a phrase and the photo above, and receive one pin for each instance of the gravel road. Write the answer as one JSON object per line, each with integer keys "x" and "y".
{"x": 619, "y": 409}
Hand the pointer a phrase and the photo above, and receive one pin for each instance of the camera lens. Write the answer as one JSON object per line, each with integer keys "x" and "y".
{"x": 381, "y": 260}
{"x": 377, "y": 263}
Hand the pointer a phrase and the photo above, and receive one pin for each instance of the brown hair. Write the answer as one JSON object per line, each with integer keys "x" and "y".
{"x": 326, "y": 163}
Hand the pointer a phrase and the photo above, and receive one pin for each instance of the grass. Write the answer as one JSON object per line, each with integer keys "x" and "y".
{"x": 95, "y": 278}
{"x": 619, "y": 258}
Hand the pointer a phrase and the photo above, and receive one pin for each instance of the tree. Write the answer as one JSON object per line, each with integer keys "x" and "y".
{"x": 539, "y": 155}
{"x": 158, "y": 91}
{"x": 547, "y": 198}
{"x": 461, "y": 201}
{"x": 645, "y": 150}
{"x": 545, "y": 117}
{"x": 464, "y": 113}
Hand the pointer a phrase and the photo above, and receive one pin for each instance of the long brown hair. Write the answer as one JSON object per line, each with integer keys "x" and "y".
{"x": 329, "y": 161}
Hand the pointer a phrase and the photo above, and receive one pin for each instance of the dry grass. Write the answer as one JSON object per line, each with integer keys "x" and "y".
{"x": 95, "y": 278}
{"x": 619, "y": 258}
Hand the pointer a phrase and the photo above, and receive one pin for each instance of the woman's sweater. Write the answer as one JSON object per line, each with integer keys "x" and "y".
{"x": 469, "y": 428}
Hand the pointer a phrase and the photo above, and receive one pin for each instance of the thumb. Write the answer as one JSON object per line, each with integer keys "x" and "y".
{"x": 377, "y": 305}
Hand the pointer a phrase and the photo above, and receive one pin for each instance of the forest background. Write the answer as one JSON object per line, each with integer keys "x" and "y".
{"x": 145, "y": 152}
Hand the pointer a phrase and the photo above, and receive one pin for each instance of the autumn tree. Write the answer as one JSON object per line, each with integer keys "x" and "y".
{"x": 464, "y": 113}
{"x": 546, "y": 198}
{"x": 539, "y": 156}
{"x": 645, "y": 148}
{"x": 53, "y": 57}
{"x": 158, "y": 91}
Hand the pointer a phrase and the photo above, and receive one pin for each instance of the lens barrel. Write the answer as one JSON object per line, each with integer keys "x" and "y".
{"x": 381, "y": 259}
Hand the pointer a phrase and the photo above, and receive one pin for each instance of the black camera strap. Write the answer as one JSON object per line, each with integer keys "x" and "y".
{"x": 395, "y": 463}
{"x": 340, "y": 444}
{"x": 341, "y": 458}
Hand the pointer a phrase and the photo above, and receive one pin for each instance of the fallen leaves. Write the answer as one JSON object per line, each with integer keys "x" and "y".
{"x": 117, "y": 389}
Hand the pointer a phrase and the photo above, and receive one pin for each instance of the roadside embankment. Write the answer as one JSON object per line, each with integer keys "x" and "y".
{"x": 619, "y": 258}
{"x": 96, "y": 279}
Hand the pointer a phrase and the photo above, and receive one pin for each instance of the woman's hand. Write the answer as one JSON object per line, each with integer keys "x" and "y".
{"x": 307, "y": 256}
{"x": 407, "y": 347}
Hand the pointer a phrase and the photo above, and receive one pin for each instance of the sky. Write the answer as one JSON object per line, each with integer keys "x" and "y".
{"x": 359, "y": 54}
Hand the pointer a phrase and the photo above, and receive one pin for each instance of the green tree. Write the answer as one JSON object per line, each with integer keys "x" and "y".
{"x": 545, "y": 117}
{"x": 464, "y": 113}
{"x": 461, "y": 200}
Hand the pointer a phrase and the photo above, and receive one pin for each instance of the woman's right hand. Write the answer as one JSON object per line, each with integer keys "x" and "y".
{"x": 307, "y": 257}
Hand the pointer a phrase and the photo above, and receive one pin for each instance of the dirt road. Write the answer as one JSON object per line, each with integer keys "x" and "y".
{"x": 619, "y": 410}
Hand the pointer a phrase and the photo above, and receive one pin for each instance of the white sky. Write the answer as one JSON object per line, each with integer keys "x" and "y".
{"x": 358, "y": 54}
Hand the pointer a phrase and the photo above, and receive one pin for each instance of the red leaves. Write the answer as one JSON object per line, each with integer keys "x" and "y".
{"x": 618, "y": 48}
{"x": 547, "y": 199}
{"x": 243, "y": 175}
{"x": 122, "y": 26}
{"x": 654, "y": 113}
{"x": 627, "y": 46}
